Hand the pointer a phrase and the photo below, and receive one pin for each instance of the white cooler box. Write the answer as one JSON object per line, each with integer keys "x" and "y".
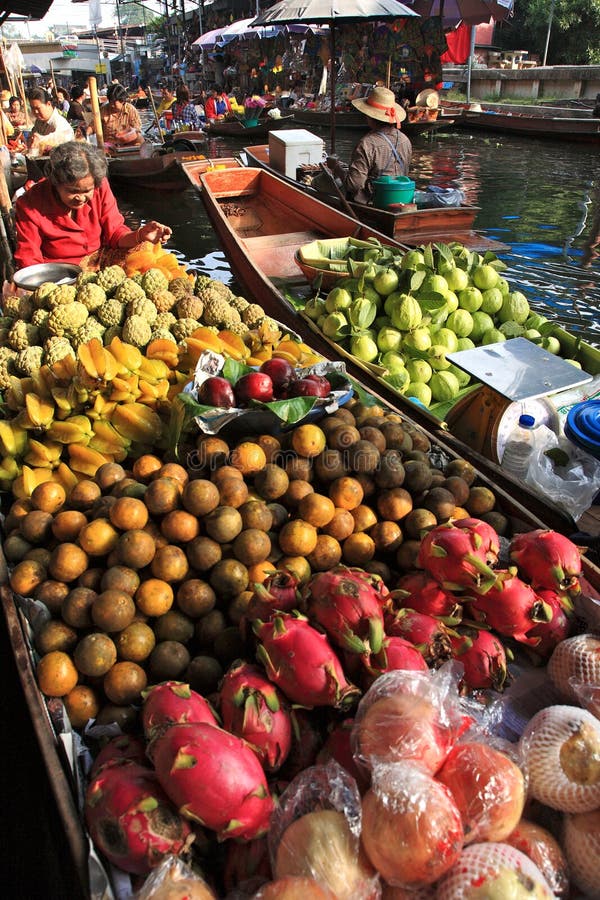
{"x": 288, "y": 150}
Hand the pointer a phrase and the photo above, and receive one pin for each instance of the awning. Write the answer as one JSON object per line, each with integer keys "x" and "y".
{"x": 30, "y": 9}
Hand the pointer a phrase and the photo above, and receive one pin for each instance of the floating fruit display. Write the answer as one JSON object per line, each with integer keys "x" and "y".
{"x": 405, "y": 311}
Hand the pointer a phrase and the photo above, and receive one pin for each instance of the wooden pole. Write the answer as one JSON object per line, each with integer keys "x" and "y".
{"x": 388, "y": 78}
{"x": 9, "y": 78}
{"x": 24, "y": 99}
{"x": 160, "y": 131}
{"x": 95, "y": 103}
{"x": 7, "y": 231}
{"x": 54, "y": 88}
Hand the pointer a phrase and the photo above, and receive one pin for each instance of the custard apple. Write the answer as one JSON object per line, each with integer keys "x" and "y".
{"x": 253, "y": 315}
{"x": 162, "y": 334}
{"x": 90, "y": 329}
{"x": 42, "y": 293}
{"x": 67, "y": 318}
{"x": 239, "y": 303}
{"x": 57, "y": 348}
{"x": 136, "y": 331}
{"x": 18, "y": 307}
{"x": 112, "y": 312}
{"x": 86, "y": 278}
{"x": 144, "y": 308}
{"x": 91, "y": 295}
{"x": 164, "y": 301}
{"x": 184, "y": 328}
{"x": 165, "y": 320}
{"x": 181, "y": 287}
{"x": 128, "y": 290}
{"x": 189, "y": 307}
{"x": 154, "y": 281}
{"x": 111, "y": 332}
{"x": 22, "y": 335}
{"x": 110, "y": 278}
{"x": 29, "y": 361}
{"x": 64, "y": 293}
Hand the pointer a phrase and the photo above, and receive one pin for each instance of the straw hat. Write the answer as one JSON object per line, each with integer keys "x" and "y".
{"x": 4, "y": 96}
{"x": 381, "y": 105}
{"x": 428, "y": 98}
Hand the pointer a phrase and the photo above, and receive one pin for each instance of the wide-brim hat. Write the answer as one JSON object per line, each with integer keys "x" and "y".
{"x": 429, "y": 98}
{"x": 381, "y": 105}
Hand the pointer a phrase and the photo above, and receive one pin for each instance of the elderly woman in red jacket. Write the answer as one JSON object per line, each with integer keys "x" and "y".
{"x": 73, "y": 212}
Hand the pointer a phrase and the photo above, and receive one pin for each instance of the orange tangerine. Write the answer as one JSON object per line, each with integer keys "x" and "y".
{"x": 297, "y": 538}
{"x": 308, "y": 440}
{"x": 394, "y": 504}
{"x": 154, "y": 597}
{"x": 259, "y": 572}
{"x": 271, "y": 445}
{"x": 317, "y": 509}
{"x": 346, "y": 492}
{"x": 249, "y": 457}
{"x": 297, "y": 565}
{"x": 358, "y": 549}
{"x": 326, "y": 554}
{"x": 127, "y": 513}
{"x": 56, "y": 674}
{"x": 82, "y": 704}
{"x": 341, "y": 525}
{"x": 364, "y": 517}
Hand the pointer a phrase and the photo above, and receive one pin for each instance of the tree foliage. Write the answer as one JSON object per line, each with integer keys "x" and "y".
{"x": 574, "y": 35}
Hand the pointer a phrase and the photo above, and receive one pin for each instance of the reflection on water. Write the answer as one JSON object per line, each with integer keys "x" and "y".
{"x": 542, "y": 198}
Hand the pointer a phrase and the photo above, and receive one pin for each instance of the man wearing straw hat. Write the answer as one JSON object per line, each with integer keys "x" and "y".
{"x": 384, "y": 150}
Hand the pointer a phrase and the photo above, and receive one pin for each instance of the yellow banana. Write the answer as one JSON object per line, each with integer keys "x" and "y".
{"x": 13, "y": 439}
{"x": 125, "y": 354}
{"x": 87, "y": 461}
{"x": 74, "y": 430}
{"x": 40, "y": 411}
{"x": 137, "y": 422}
{"x": 43, "y": 455}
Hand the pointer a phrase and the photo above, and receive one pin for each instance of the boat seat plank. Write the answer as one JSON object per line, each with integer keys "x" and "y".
{"x": 297, "y": 238}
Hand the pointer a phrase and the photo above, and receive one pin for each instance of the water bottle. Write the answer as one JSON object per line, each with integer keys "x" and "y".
{"x": 519, "y": 447}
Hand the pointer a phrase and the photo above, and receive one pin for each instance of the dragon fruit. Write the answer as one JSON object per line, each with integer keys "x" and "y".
{"x": 511, "y": 607}
{"x": 279, "y": 593}
{"x": 554, "y": 630}
{"x": 547, "y": 559}
{"x": 338, "y": 746}
{"x": 307, "y": 740}
{"x": 131, "y": 820}
{"x": 215, "y": 779}
{"x": 253, "y": 709}
{"x": 302, "y": 662}
{"x": 173, "y": 703}
{"x": 421, "y": 592}
{"x": 483, "y": 658}
{"x": 458, "y": 554}
{"x": 348, "y": 607}
{"x": 121, "y": 747}
{"x": 429, "y": 634}
{"x": 395, "y": 653}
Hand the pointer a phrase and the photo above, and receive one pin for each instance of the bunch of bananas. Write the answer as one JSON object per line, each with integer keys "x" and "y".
{"x": 72, "y": 416}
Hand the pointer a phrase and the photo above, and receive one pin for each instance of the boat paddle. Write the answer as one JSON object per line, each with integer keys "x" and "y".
{"x": 160, "y": 131}
{"x": 345, "y": 205}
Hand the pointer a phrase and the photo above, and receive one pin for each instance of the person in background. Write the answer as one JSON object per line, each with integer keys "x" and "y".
{"x": 384, "y": 150}
{"x": 183, "y": 109}
{"x": 76, "y": 113}
{"x": 121, "y": 123}
{"x": 61, "y": 102}
{"x": 167, "y": 99}
{"x": 73, "y": 212}
{"x": 217, "y": 105}
{"x": 16, "y": 113}
{"x": 49, "y": 128}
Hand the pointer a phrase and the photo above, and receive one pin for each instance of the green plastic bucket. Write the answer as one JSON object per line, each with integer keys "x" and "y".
{"x": 390, "y": 189}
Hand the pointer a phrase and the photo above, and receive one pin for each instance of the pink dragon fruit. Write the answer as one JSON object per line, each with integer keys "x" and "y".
{"x": 279, "y": 593}
{"x": 215, "y": 779}
{"x": 123, "y": 746}
{"x": 253, "y": 709}
{"x": 511, "y": 607}
{"x": 556, "y": 629}
{"x": 395, "y": 653}
{"x": 547, "y": 559}
{"x": 428, "y": 634}
{"x": 348, "y": 607}
{"x": 302, "y": 662}
{"x": 458, "y": 554}
{"x": 131, "y": 820}
{"x": 483, "y": 658}
{"x": 173, "y": 703}
{"x": 421, "y": 592}
{"x": 338, "y": 746}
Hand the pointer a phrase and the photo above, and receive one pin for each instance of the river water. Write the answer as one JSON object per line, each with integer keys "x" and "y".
{"x": 542, "y": 198}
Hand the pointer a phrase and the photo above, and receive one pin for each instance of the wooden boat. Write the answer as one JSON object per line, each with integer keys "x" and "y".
{"x": 412, "y": 226}
{"x": 161, "y": 172}
{"x": 235, "y": 128}
{"x": 193, "y": 169}
{"x": 316, "y": 118}
{"x": 539, "y": 122}
{"x": 261, "y": 223}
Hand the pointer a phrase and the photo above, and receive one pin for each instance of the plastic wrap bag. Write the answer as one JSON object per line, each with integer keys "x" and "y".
{"x": 439, "y": 197}
{"x": 411, "y": 827}
{"x": 174, "y": 880}
{"x": 571, "y": 486}
{"x": 409, "y": 715}
{"x": 543, "y": 849}
{"x": 315, "y": 833}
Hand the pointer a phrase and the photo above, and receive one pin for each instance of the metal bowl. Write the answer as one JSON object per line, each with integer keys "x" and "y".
{"x": 32, "y": 276}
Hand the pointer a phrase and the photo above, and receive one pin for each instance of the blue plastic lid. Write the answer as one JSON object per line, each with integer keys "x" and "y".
{"x": 526, "y": 421}
{"x": 583, "y": 426}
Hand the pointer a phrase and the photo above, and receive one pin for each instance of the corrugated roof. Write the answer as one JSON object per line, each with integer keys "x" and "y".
{"x": 34, "y": 9}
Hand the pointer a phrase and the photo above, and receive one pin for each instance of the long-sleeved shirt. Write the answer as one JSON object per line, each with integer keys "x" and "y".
{"x": 56, "y": 130}
{"x": 217, "y": 106}
{"x": 114, "y": 122}
{"x": 373, "y": 157}
{"x": 46, "y": 232}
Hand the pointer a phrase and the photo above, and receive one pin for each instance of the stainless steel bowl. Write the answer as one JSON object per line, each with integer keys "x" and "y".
{"x": 32, "y": 276}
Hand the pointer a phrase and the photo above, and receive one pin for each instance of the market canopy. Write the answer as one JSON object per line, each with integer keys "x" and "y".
{"x": 472, "y": 12}
{"x": 241, "y": 29}
{"x": 333, "y": 12}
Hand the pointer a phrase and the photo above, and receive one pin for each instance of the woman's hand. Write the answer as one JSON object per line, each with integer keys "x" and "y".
{"x": 154, "y": 232}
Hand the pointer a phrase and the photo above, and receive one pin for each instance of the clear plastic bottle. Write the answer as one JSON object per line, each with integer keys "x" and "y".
{"x": 519, "y": 447}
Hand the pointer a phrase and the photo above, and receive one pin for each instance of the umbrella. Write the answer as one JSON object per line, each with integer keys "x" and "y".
{"x": 472, "y": 12}
{"x": 331, "y": 12}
